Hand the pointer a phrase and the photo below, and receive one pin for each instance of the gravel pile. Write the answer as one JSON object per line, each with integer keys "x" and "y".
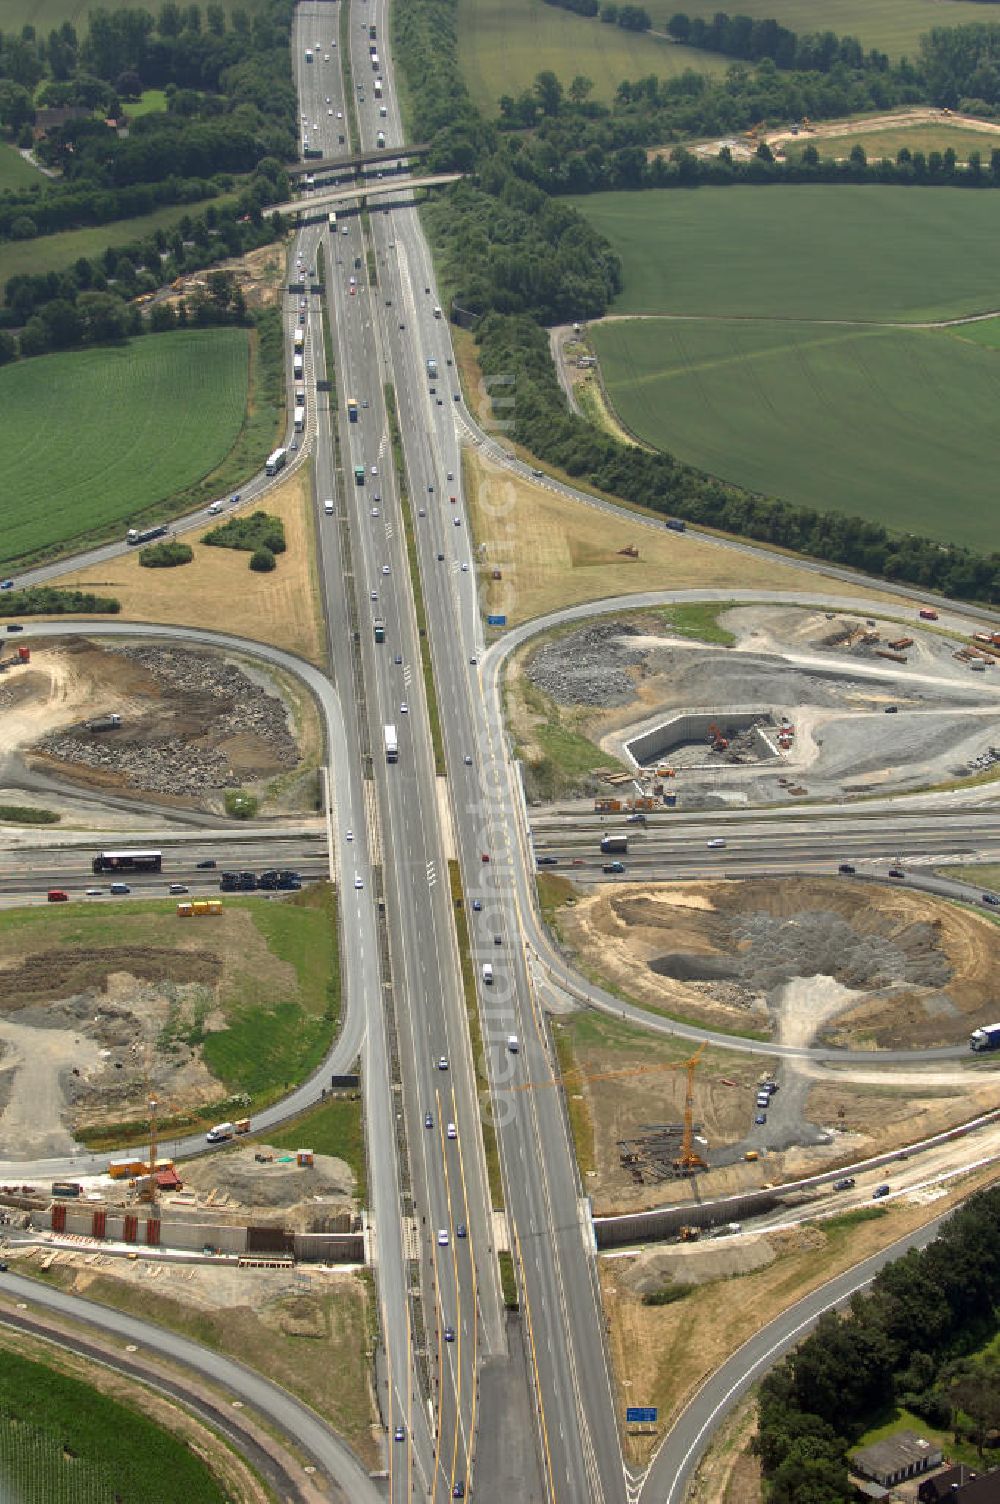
{"x": 769, "y": 951}
{"x": 229, "y": 704}
{"x": 589, "y": 667}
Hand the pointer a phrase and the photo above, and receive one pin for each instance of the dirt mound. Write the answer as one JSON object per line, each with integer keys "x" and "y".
{"x": 48, "y": 975}
{"x": 916, "y": 971}
{"x": 322, "y": 1188}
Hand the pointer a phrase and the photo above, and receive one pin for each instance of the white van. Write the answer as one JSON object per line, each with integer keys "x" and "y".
{"x": 512, "y": 1043}
{"x": 328, "y": 506}
{"x": 488, "y": 974}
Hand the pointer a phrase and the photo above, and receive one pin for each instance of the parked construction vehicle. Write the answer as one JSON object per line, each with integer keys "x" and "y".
{"x": 23, "y": 655}
{"x": 719, "y": 742}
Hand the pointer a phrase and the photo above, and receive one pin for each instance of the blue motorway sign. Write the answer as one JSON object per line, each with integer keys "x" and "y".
{"x": 643, "y": 1414}
{"x": 496, "y": 621}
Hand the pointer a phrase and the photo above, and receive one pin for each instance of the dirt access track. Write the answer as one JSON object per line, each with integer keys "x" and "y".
{"x": 193, "y": 724}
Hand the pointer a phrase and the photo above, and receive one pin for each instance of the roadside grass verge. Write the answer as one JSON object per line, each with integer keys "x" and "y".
{"x": 508, "y": 1284}
{"x": 490, "y": 1145}
{"x": 986, "y": 873}
{"x": 430, "y": 692}
{"x": 49, "y": 1416}
{"x": 312, "y": 1343}
{"x": 580, "y": 1121}
{"x": 700, "y": 622}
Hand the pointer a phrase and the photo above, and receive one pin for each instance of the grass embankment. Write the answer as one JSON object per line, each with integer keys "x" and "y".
{"x": 335, "y": 1127}
{"x": 48, "y": 1417}
{"x": 814, "y": 350}
{"x": 987, "y": 873}
{"x": 430, "y": 693}
{"x": 272, "y": 970}
{"x": 553, "y": 552}
{"x": 150, "y": 419}
{"x": 503, "y": 46}
{"x": 312, "y": 1341}
{"x": 490, "y": 1146}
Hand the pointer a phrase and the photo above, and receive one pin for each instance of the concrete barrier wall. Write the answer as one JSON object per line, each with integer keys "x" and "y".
{"x": 651, "y": 1227}
{"x": 330, "y": 1247}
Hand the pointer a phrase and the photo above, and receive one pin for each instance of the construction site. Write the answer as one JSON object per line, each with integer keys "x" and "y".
{"x": 802, "y": 703}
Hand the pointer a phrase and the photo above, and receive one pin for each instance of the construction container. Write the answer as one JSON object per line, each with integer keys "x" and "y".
{"x": 213, "y": 906}
{"x": 185, "y": 910}
{"x": 200, "y": 906}
{"x": 304, "y": 1157}
{"x": 24, "y": 655}
{"x": 670, "y": 800}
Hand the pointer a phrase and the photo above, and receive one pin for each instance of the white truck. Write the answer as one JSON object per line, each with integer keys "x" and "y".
{"x": 299, "y": 419}
{"x": 297, "y": 367}
{"x": 391, "y": 744}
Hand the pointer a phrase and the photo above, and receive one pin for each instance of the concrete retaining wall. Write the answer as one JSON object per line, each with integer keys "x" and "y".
{"x": 656, "y": 742}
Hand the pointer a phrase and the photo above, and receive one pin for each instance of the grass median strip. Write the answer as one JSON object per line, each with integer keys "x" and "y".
{"x": 490, "y": 1145}
{"x": 433, "y": 715}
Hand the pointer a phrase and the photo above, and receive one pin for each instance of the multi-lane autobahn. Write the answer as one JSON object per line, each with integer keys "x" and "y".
{"x": 449, "y": 1384}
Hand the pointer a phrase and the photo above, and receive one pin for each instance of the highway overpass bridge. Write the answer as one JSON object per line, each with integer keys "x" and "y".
{"x": 333, "y": 197}
{"x": 360, "y": 159}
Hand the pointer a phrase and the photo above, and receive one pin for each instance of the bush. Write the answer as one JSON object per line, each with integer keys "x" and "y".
{"x": 166, "y": 555}
{"x": 262, "y": 561}
{"x": 258, "y": 531}
{"x": 44, "y": 600}
{"x": 240, "y": 806}
{"x": 667, "y": 1295}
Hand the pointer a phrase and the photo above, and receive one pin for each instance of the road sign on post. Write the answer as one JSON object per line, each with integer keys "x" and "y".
{"x": 496, "y": 621}
{"x": 641, "y": 1415}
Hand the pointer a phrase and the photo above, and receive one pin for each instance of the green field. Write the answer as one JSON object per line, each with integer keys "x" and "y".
{"x": 893, "y": 26}
{"x": 93, "y": 437}
{"x": 47, "y": 1417}
{"x": 789, "y": 369}
{"x": 888, "y": 140}
{"x": 53, "y": 253}
{"x": 803, "y": 252}
{"x": 896, "y": 425}
{"x": 502, "y": 46}
{"x": 15, "y": 172}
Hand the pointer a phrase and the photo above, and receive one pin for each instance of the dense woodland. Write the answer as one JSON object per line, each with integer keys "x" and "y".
{"x": 923, "y": 1338}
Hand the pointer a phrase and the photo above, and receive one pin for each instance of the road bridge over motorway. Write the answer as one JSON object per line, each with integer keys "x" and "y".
{"x": 330, "y": 198}
{"x": 356, "y": 159}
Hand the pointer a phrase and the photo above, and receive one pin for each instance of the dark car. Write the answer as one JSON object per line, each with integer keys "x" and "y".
{"x": 399, "y": 1434}
{"x": 548, "y": 861}
{"x": 879, "y": 1192}
{"x": 892, "y": 710}
{"x": 991, "y": 899}
{"x": 896, "y": 872}
{"x": 449, "y": 1331}
{"x": 460, "y": 1230}
{"x": 477, "y": 904}
{"x": 428, "y": 1120}
{"x": 609, "y": 866}
{"x": 458, "y": 1492}
{"x": 846, "y": 868}
{"x": 846, "y": 1184}
{"x": 761, "y": 1118}
{"x": 205, "y": 865}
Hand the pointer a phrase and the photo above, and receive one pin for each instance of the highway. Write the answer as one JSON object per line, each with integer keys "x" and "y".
{"x": 394, "y": 828}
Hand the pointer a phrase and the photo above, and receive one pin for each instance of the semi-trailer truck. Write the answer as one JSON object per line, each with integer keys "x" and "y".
{"x": 378, "y": 627}
{"x": 299, "y": 419}
{"x": 432, "y": 369}
{"x": 145, "y": 534}
{"x": 986, "y": 1038}
{"x": 391, "y": 744}
{"x": 276, "y": 461}
{"x": 359, "y": 475}
{"x": 352, "y": 409}
{"x": 297, "y": 368}
{"x": 380, "y": 140}
{"x": 300, "y": 339}
{"x": 614, "y": 844}
{"x": 378, "y": 88}
{"x": 331, "y": 219}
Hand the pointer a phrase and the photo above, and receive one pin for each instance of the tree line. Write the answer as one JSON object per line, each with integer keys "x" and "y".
{"x": 628, "y": 17}
{"x": 755, "y": 40}
{"x": 912, "y": 1341}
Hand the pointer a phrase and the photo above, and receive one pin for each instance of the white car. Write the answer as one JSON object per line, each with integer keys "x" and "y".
{"x": 385, "y": 569}
{"x": 349, "y": 835}
{"x": 357, "y": 881}
{"x": 374, "y": 469}
{"x": 465, "y": 568}
{"x": 451, "y": 1131}
{"x": 715, "y": 843}
{"x": 404, "y": 709}
{"x": 340, "y": 114}
{"x": 329, "y": 112}
{"x": 443, "y": 1237}
{"x": 94, "y": 892}
{"x": 374, "y": 511}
